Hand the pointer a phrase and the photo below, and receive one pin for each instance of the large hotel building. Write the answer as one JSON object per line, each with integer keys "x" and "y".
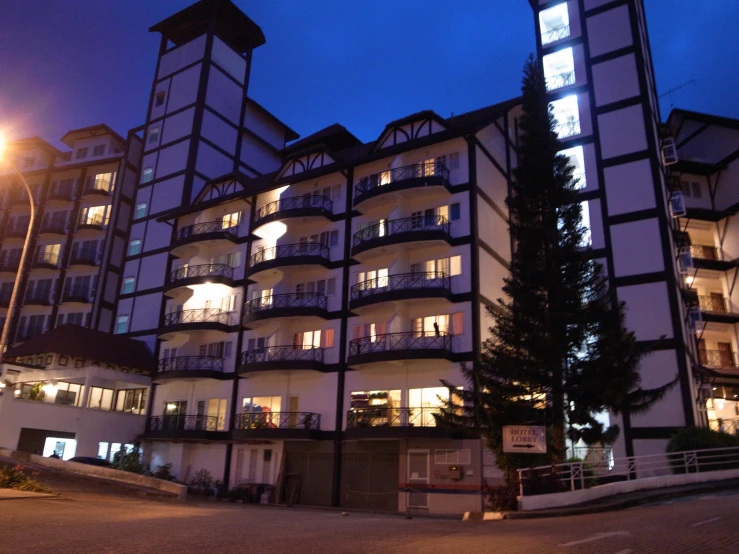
{"x": 305, "y": 297}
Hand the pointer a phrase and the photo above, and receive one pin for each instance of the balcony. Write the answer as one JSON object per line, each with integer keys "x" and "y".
{"x": 403, "y": 286}
{"x": 184, "y": 427}
{"x": 54, "y": 227}
{"x": 272, "y": 358}
{"x": 397, "y": 231}
{"x": 46, "y": 260}
{"x": 38, "y": 298}
{"x": 4, "y": 300}
{"x": 100, "y": 190}
{"x": 296, "y": 304}
{"x": 721, "y": 360}
{"x": 207, "y": 231}
{"x": 304, "y": 253}
{"x": 560, "y": 80}
{"x": 190, "y": 367}
{"x": 723, "y": 425}
{"x": 716, "y": 308}
{"x": 29, "y": 333}
{"x": 296, "y": 206}
{"x": 199, "y": 274}
{"x": 77, "y": 293}
{"x": 555, "y": 34}
{"x": 196, "y": 320}
{"x": 388, "y": 423}
{"x": 421, "y": 175}
{"x": 400, "y": 346}
{"x": 277, "y": 425}
{"x": 709, "y": 257}
{"x": 92, "y": 222}
{"x": 62, "y": 192}
{"x": 10, "y": 264}
{"x": 84, "y": 257}
{"x": 16, "y": 231}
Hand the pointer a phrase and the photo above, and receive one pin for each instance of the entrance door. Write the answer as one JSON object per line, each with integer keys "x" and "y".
{"x": 174, "y": 415}
{"x": 418, "y": 478}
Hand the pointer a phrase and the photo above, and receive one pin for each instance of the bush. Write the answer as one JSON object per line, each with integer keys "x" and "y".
{"x": 16, "y": 478}
{"x": 164, "y": 472}
{"x": 503, "y": 498}
{"x": 202, "y": 479}
{"x": 588, "y": 473}
{"x": 129, "y": 461}
{"x": 701, "y": 438}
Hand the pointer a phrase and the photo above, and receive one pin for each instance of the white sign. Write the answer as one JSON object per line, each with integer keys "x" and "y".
{"x": 524, "y": 439}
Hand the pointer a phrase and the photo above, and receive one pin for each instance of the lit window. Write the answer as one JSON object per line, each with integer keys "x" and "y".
{"x": 103, "y": 450}
{"x": 455, "y": 265}
{"x": 95, "y": 215}
{"x": 129, "y": 283}
{"x": 100, "y": 398}
{"x": 153, "y": 135}
{"x": 577, "y": 161}
{"x": 554, "y": 23}
{"x": 121, "y": 324}
{"x": 147, "y": 175}
{"x": 587, "y": 237}
{"x": 262, "y": 404}
{"x": 230, "y": 220}
{"x": 140, "y": 211}
{"x": 102, "y": 181}
{"x": 559, "y": 69}
{"x": 567, "y": 116}
{"x": 134, "y": 247}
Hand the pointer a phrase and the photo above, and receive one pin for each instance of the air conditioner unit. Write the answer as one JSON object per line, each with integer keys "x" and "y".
{"x": 677, "y": 204}
{"x": 694, "y": 319}
{"x": 684, "y": 259}
{"x": 669, "y": 152}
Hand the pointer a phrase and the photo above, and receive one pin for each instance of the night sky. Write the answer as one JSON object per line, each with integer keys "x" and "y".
{"x": 68, "y": 64}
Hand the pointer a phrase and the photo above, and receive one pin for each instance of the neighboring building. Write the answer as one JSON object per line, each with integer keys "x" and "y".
{"x": 83, "y": 198}
{"x": 75, "y": 391}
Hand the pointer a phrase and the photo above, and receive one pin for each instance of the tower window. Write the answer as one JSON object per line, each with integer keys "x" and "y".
{"x": 153, "y": 135}
{"x": 129, "y": 284}
{"x": 121, "y": 324}
{"x": 159, "y": 98}
{"x": 147, "y": 175}
{"x": 577, "y": 161}
{"x": 140, "y": 211}
{"x": 554, "y": 23}
{"x": 567, "y": 114}
{"x": 559, "y": 69}
{"x": 134, "y": 247}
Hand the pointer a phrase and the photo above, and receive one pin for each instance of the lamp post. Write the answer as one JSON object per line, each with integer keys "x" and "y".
{"x": 24, "y": 254}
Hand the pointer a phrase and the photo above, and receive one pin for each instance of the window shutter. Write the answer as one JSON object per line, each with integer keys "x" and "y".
{"x": 328, "y": 338}
{"x": 457, "y": 323}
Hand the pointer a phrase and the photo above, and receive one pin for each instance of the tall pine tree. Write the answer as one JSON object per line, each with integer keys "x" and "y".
{"x": 559, "y": 352}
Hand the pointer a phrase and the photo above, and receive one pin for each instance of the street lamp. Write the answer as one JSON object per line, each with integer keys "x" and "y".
{"x": 24, "y": 254}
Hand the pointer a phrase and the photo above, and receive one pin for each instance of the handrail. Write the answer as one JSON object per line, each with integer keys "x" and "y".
{"x": 409, "y": 340}
{"x": 201, "y": 315}
{"x": 201, "y": 270}
{"x": 380, "y": 416}
{"x": 294, "y": 203}
{"x": 190, "y": 363}
{"x": 413, "y": 171}
{"x": 51, "y": 226}
{"x": 51, "y": 258}
{"x": 61, "y": 191}
{"x": 83, "y": 255}
{"x": 704, "y": 252}
{"x": 178, "y": 423}
{"x": 713, "y": 304}
{"x": 717, "y": 359}
{"x": 402, "y": 281}
{"x": 280, "y": 353}
{"x": 558, "y": 33}
{"x": 42, "y": 296}
{"x": 289, "y": 300}
{"x": 96, "y": 220}
{"x": 288, "y": 251}
{"x": 202, "y": 228}
{"x": 75, "y": 291}
{"x": 277, "y": 420}
{"x": 403, "y": 225}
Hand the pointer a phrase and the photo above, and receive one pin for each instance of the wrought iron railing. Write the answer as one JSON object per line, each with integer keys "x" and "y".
{"x": 730, "y": 426}
{"x": 190, "y": 363}
{"x": 402, "y": 281}
{"x": 704, "y": 252}
{"x": 294, "y": 203}
{"x": 414, "y": 171}
{"x": 277, "y": 420}
{"x": 399, "y": 226}
{"x": 17, "y": 230}
{"x": 289, "y": 251}
{"x": 9, "y": 263}
{"x": 42, "y": 297}
{"x": 558, "y": 33}
{"x": 560, "y": 80}
{"x": 391, "y": 417}
{"x": 46, "y": 258}
{"x": 202, "y": 270}
{"x": 75, "y": 293}
{"x": 5, "y": 299}
{"x": 592, "y": 454}
{"x": 177, "y": 423}
{"x": 424, "y": 340}
{"x": 203, "y": 228}
{"x": 717, "y": 359}
{"x": 62, "y": 191}
{"x": 715, "y": 304}
{"x": 30, "y": 333}
{"x": 201, "y": 315}
{"x": 98, "y": 189}
{"x": 567, "y": 129}
{"x": 289, "y": 300}
{"x": 280, "y": 354}
{"x": 83, "y": 256}
{"x": 94, "y": 220}
{"x": 53, "y": 227}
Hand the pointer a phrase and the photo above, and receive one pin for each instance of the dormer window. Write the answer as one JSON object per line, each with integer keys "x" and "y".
{"x": 99, "y": 150}
{"x": 81, "y": 154}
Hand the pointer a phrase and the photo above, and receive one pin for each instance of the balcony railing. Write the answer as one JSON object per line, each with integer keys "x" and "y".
{"x": 176, "y": 423}
{"x": 567, "y": 129}
{"x": 713, "y": 304}
{"x": 61, "y": 192}
{"x": 202, "y": 315}
{"x": 392, "y": 417}
{"x": 203, "y": 228}
{"x": 558, "y": 33}
{"x": 289, "y": 300}
{"x": 704, "y": 252}
{"x": 17, "y": 231}
{"x": 38, "y": 297}
{"x": 5, "y": 299}
{"x": 98, "y": 189}
{"x": 401, "y": 341}
{"x": 58, "y": 227}
{"x": 10, "y": 263}
{"x": 560, "y": 80}
{"x": 85, "y": 257}
{"x": 76, "y": 293}
{"x": 316, "y": 201}
{"x": 392, "y": 227}
{"x": 203, "y": 270}
{"x": 401, "y": 281}
{"x": 278, "y": 420}
{"x": 717, "y": 359}
{"x": 46, "y": 258}
{"x": 95, "y": 220}
{"x": 730, "y": 426}
{"x": 415, "y": 171}
{"x": 281, "y": 354}
{"x": 283, "y": 251}
{"x": 190, "y": 363}
{"x": 30, "y": 333}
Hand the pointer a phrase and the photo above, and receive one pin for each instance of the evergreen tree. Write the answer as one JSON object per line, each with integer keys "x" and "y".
{"x": 559, "y": 352}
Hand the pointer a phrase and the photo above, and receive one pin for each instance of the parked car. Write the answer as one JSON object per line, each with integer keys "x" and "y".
{"x": 91, "y": 461}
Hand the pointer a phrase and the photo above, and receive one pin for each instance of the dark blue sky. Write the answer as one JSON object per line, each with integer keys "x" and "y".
{"x": 67, "y": 64}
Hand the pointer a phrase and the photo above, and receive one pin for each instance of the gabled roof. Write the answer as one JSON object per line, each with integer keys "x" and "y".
{"x": 333, "y": 138}
{"x": 90, "y": 131}
{"x": 719, "y": 120}
{"x": 423, "y": 117}
{"x": 80, "y": 342}
{"x": 289, "y": 133}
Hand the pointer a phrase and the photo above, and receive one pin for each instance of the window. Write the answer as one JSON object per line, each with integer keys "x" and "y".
{"x": 447, "y": 457}
{"x": 103, "y": 450}
{"x": 221, "y": 349}
{"x": 159, "y": 98}
{"x": 95, "y": 215}
{"x": 152, "y": 136}
{"x": 453, "y": 160}
{"x": 587, "y": 237}
{"x": 230, "y": 220}
{"x": 454, "y": 212}
{"x": 336, "y": 193}
{"x": 114, "y": 448}
{"x": 48, "y": 254}
{"x": 121, "y": 324}
{"x": 101, "y": 181}
{"x": 68, "y": 394}
{"x": 577, "y": 161}
{"x": 448, "y": 266}
{"x": 98, "y": 150}
{"x": 427, "y": 401}
{"x": 81, "y": 154}
{"x": 129, "y": 284}
{"x": 216, "y": 409}
{"x": 132, "y": 401}
{"x": 147, "y": 174}
{"x": 72, "y": 319}
{"x": 134, "y": 247}
{"x": 29, "y": 162}
{"x": 307, "y": 340}
{"x": 559, "y": 69}
{"x": 100, "y": 398}
{"x": 333, "y": 238}
{"x": 692, "y": 189}
{"x": 261, "y": 404}
{"x": 373, "y": 279}
{"x": 140, "y": 211}
{"x": 324, "y": 286}
{"x": 328, "y": 338}
{"x": 567, "y": 114}
{"x": 430, "y": 325}
{"x": 554, "y": 23}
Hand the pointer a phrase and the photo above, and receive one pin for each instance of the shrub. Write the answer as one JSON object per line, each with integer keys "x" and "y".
{"x": 164, "y": 472}
{"x": 590, "y": 479}
{"x": 701, "y": 438}
{"x": 503, "y": 498}
{"x": 202, "y": 479}
{"x": 16, "y": 478}
{"x": 129, "y": 461}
